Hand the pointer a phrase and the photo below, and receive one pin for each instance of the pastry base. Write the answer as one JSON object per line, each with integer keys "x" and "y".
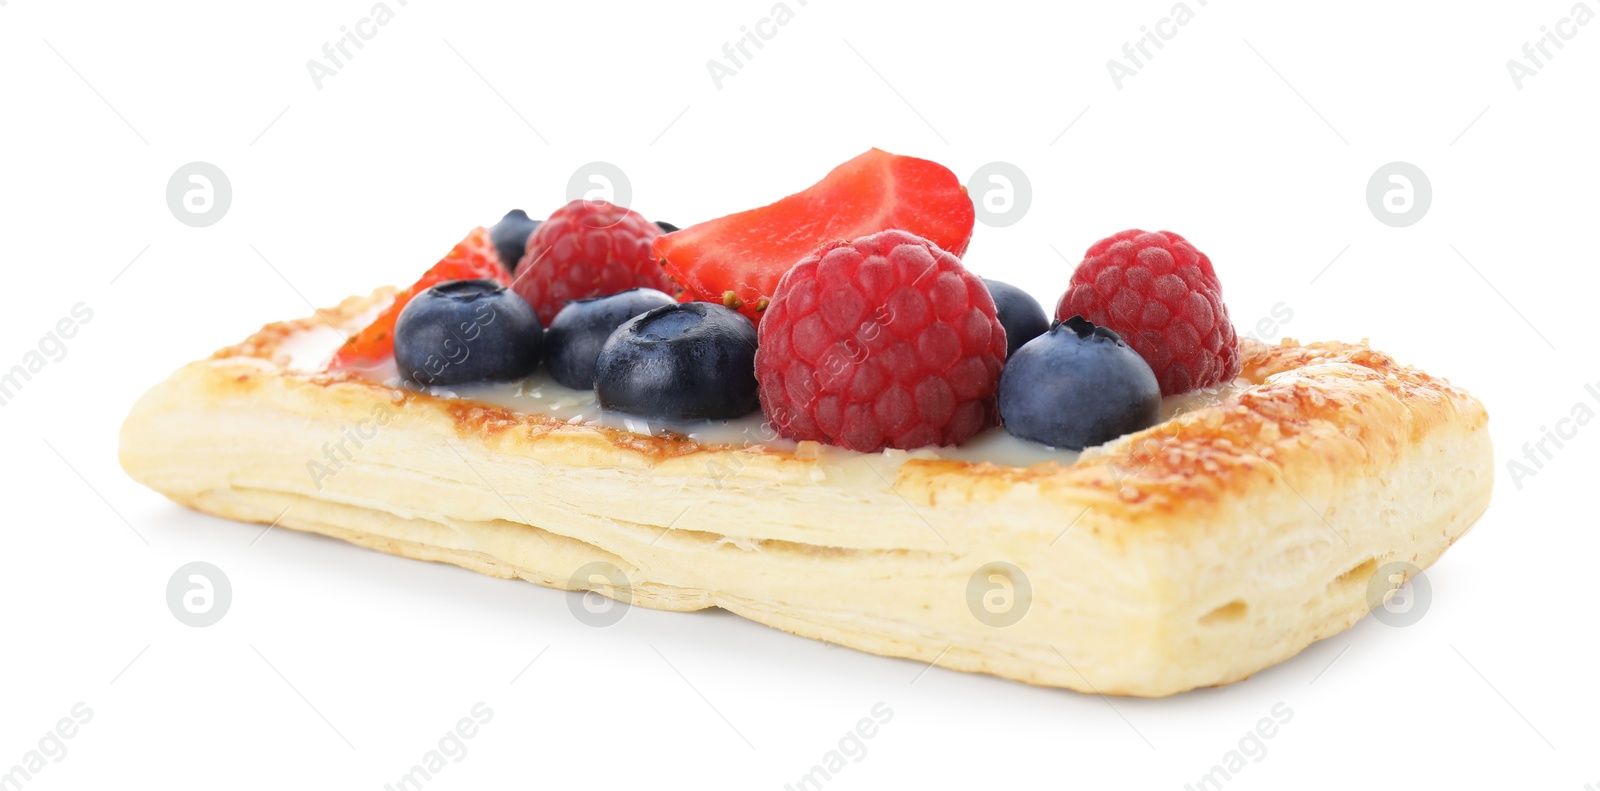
{"x": 1192, "y": 554}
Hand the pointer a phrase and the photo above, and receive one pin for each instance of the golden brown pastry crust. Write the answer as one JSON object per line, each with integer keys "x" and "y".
{"x": 1190, "y": 554}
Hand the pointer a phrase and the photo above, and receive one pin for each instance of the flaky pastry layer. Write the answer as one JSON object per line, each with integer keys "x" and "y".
{"x": 1194, "y": 553}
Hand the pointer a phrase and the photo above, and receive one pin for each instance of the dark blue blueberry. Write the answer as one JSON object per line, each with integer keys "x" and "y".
{"x": 689, "y": 361}
{"x": 666, "y": 227}
{"x": 467, "y": 331}
{"x": 510, "y": 236}
{"x": 573, "y": 341}
{"x": 1077, "y": 386}
{"x": 1019, "y": 313}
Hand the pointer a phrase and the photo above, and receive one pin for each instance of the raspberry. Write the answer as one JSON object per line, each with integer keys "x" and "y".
{"x": 1160, "y": 294}
{"x": 473, "y": 258}
{"x": 886, "y": 341}
{"x": 588, "y": 249}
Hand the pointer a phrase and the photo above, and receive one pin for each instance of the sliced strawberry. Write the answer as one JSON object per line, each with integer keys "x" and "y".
{"x": 473, "y": 258}
{"x": 737, "y": 260}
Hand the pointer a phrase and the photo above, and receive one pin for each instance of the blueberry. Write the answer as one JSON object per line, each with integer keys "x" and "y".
{"x": 688, "y": 361}
{"x": 1077, "y": 386}
{"x": 573, "y": 341}
{"x": 666, "y": 227}
{"x": 1019, "y": 313}
{"x": 467, "y": 331}
{"x": 510, "y": 236}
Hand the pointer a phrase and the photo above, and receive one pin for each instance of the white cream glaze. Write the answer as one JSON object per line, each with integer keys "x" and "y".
{"x": 541, "y": 395}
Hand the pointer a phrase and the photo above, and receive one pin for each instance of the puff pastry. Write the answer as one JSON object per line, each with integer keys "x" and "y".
{"x": 1194, "y": 553}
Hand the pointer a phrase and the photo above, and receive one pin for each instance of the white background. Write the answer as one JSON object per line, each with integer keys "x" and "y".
{"x": 1253, "y": 132}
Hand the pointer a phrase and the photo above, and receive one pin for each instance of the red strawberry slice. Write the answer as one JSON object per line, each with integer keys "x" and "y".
{"x": 473, "y": 258}
{"x": 737, "y": 260}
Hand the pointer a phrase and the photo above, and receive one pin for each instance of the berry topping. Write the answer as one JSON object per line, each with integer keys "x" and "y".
{"x": 1160, "y": 294}
{"x": 684, "y": 361}
{"x": 884, "y": 341}
{"x": 474, "y": 257}
{"x": 745, "y": 254}
{"x": 573, "y": 341}
{"x": 1077, "y": 386}
{"x": 510, "y": 237}
{"x": 1021, "y": 315}
{"x": 587, "y": 249}
{"x": 467, "y": 331}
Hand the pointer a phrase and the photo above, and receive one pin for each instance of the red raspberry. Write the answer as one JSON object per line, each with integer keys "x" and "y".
{"x": 1160, "y": 294}
{"x": 588, "y": 249}
{"x": 883, "y": 341}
